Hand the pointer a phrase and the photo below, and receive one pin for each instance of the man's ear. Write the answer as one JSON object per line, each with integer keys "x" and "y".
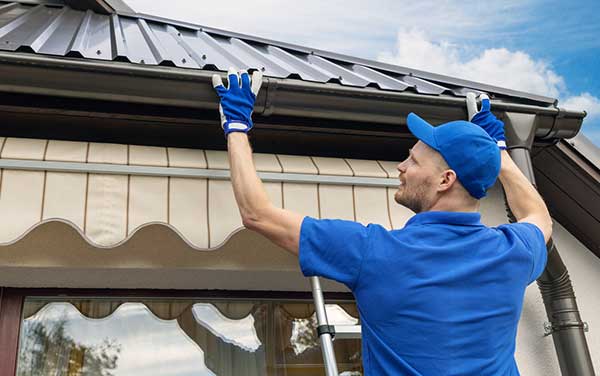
{"x": 447, "y": 180}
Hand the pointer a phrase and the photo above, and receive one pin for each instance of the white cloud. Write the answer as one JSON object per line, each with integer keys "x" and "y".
{"x": 496, "y": 66}
{"x": 584, "y": 101}
{"x": 591, "y": 104}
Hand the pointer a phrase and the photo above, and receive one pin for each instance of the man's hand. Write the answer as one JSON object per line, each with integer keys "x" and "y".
{"x": 237, "y": 100}
{"x": 485, "y": 119}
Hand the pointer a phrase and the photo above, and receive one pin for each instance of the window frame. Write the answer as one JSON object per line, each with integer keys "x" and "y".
{"x": 11, "y": 308}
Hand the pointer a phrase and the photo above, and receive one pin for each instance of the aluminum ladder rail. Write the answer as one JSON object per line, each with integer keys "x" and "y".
{"x": 327, "y": 332}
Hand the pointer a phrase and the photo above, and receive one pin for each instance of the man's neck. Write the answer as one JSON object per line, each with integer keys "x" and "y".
{"x": 453, "y": 206}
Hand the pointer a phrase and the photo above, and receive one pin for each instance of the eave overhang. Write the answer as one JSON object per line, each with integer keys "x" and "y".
{"x": 569, "y": 181}
{"x": 306, "y": 102}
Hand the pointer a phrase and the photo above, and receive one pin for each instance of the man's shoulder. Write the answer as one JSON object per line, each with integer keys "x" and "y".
{"x": 520, "y": 229}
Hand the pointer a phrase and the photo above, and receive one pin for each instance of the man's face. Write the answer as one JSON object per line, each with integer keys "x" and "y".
{"x": 418, "y": 174}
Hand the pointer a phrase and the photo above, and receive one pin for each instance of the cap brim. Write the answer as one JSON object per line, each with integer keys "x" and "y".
{"x": 421, "y": 129}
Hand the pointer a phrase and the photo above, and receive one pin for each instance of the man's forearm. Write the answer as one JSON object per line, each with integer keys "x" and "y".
{"x": 522, "y": 197}
{"x": 249, "y": 191}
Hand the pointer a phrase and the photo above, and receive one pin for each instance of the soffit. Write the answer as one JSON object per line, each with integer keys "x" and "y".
{"x": 569, "y": 181}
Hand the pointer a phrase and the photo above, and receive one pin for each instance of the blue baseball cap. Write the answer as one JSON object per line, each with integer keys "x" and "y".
{"x": 466, "y": 147}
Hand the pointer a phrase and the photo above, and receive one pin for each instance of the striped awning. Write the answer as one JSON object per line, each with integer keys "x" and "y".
{"x": 109, "y": 191}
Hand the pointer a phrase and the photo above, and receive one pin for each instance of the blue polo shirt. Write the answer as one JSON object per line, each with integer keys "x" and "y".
{"x": 442, "y": 296}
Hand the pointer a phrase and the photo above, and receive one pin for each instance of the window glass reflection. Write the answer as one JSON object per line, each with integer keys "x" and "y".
{"x": 241, "y": 332}
{"x": 300, "y": 352}
{"x": 156, "y": 337}
{"x": 304, "y": 335}
{"x": 60, "y": 340}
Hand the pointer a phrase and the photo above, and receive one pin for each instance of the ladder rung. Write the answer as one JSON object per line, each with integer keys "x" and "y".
{"x": 347, "y": 331}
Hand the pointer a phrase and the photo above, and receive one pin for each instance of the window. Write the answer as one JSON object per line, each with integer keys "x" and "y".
{"x": 161, "y": 337}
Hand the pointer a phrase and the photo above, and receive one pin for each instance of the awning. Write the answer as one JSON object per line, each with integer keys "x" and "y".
{"x": 107, "y": 192}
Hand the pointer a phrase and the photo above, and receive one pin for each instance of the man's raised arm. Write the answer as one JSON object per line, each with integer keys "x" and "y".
{"x": 258, "y": 213}
{"x": 525, "y": 202}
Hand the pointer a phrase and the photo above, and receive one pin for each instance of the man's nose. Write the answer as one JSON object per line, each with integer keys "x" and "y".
{"x": 401, "y": 166}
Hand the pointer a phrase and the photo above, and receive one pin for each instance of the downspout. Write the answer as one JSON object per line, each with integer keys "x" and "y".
{"x": 565, "y": 324}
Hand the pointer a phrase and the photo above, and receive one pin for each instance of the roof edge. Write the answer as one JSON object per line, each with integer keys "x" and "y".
{"x": 178, "y": 87}
{"x": 586, "y": 148}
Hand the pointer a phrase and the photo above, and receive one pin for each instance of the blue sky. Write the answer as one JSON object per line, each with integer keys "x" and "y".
{"x": 545, "y": 47}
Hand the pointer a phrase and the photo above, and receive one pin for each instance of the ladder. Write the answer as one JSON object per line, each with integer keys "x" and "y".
{"x": 328, "y": 332}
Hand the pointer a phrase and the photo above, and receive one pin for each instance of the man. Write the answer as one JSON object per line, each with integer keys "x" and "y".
{"x": 443, "y": 295}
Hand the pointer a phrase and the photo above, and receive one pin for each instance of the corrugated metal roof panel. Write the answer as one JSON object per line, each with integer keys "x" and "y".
{"x": 386, "y": 82}
{"x": 299, "y": 63}
{"x": 255, "y": 57}
{"x": 65, "y": 26}
{"x": 92, "y": 38}
{"x": 62, "y": 31}
{"x": 424, "y": 86}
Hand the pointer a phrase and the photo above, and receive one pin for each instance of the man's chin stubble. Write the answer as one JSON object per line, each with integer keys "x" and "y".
{"x": 410, "y": 204}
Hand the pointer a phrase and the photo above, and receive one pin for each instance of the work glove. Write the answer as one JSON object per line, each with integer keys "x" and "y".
{"x": 237, "y": 100}
{"x": 485, "y": 119}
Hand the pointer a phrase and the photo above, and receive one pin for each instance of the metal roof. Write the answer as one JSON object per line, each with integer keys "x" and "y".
{"x": 53, "y": 28}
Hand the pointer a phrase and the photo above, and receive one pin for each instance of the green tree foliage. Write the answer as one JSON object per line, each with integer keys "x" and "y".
{"x": 46, "y": 349}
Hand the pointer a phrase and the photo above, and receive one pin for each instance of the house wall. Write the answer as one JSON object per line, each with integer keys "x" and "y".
{"x": 535, "y": 353}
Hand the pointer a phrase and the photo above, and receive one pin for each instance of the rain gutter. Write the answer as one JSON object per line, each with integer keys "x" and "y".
{"x": 169, "y": 86}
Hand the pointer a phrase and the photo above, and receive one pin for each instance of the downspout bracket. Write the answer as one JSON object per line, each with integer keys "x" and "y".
{"x": 550, "y": 328}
